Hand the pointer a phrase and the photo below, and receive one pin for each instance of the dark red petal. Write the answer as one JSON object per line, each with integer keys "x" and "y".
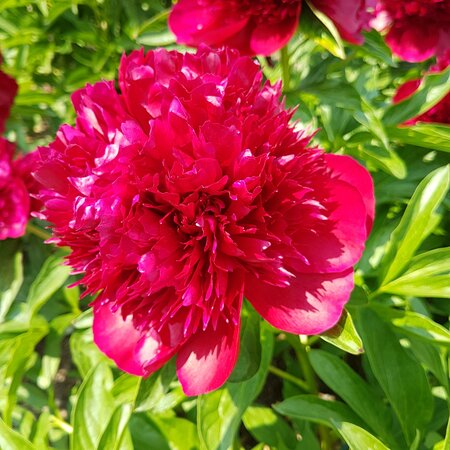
{"x": 206, "y": 361}
{"x": 413, "y": 41}
{"x": 194, "y": 23}
{"x": 268, "y": 37}
{"x": 347, "y": 169}
{"x": 312, "y": 304}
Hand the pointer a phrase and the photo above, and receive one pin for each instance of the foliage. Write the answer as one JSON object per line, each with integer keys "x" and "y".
{"x": 378, "y": 380}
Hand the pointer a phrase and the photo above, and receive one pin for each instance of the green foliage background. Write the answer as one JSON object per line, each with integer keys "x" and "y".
{"x": 378, "y": 380}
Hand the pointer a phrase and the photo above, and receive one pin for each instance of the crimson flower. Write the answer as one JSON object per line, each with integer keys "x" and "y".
{"x": 417, "y": 29}
{"x": 8, "y": 90}
{"x": 258, "y": 27}
{"x": 189, "y": 190}
{"x": 14, "y": 194}
{"x": 439, "y": 113}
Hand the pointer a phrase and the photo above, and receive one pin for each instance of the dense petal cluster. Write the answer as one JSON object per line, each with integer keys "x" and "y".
{"x": 417, "y": 29}
{"x": 439, "y": 113}
{"x": 258, "y": 27}
{"x": 188, "y": 190}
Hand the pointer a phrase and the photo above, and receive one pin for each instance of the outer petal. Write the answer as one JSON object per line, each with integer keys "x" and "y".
{"x": 413, "y": 41}
{"x": 133, "y": 351}
{"x": 338, "y": 244}
{"x": 206, "y": 361}
{"x": 193, "y": 22}
{"x": 312, "y": 304}
{"x": 117, "y": 338}
{"x": 347, "y": 169}
{"x": 268, "y": 37}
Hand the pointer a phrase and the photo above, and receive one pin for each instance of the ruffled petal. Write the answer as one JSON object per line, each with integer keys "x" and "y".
{"x": 206, "y": 361}
{"x": 312, "y": 304}
{"x": 347, "y": 169}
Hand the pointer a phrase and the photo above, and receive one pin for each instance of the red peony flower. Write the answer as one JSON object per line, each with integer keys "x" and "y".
{"x": 439, "y": 113}
{"x": 258, "y": 27}
{"x": 14, "y": 197}
{"x": 417, "y": 29}
{"x": 189, "y": 190}
{"x": 8, "y": 90}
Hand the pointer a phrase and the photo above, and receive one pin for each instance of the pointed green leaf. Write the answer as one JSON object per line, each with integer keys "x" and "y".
{"x": 114, "y": 433}
{"x": 413, "y": 227}
{"x": 344, "y": 335}
{"x": 427, "y": 135}
{"x": 12, "y": 440}
{"x": 314, "y": 409}
{"x": 93, "y": 409}
{"x": 400, "y": 375}
{"x": 358, "y": 438}
{"x": 354, "y": 390}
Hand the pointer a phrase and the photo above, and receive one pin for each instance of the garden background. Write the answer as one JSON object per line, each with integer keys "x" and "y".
{"x": 378, "y": 380}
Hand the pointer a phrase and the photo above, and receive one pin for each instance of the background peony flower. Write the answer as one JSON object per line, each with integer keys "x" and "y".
{"x": 349, "y": 16}
{"x": 8, "y": 90}
{"x": 417, "y": 29}
{"x": 439, "y": 113}
{"x": 188, "y": 190}
{"x": 258, "y": 28}
{"x": 14, "y": 198}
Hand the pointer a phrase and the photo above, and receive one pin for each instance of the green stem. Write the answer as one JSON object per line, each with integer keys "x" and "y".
{"x": 302, "y": 348}
{"x": 285, "y": 68}
{"x": 39, "y": 232}
{"x": 288, "y": 377}
{"x": 61, "y": 424}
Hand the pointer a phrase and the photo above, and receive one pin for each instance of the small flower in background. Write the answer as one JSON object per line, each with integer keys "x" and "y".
{"x": 439, "y": 113}
{"x": 190, "y": 190}
{"x": 258, "y": 27}
{"x": 16, "y": 181}
{"x": 417, "y": 29}
{"x": 14, "y": 197}
{"x": 8, "y": 90}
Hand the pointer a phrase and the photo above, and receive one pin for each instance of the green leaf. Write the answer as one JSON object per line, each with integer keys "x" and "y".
{"x": 314, "y": 409}
{"x": 384, "y": 159}
{"x": 413, "y": 227}
{"x": 354, "y": 390}
{"x": 331, "y": 40}
{"x": 11, "y": 274}
{"x": 219, "y": 413}
{"x": 400, "y": 375}
{"x": 344, "y": 335}
{"x": 415, "y": 324}
{"x": 434, "y": 87}
{"x": 93, "y": 409}
{"x": 433, "y": 136}
{"x": 12, "y": 440}
{"x": 146, "y": 435}
{"x": 114, "y": 433}
{"x": 250, "y": 346}
{"x": 267, "y": 427}
{"x": 51, "y": 277}
{"x": 428, "y": 275}
{"x": 358, "y": 438}
{"x": 154, "y": 389}
{"x": 181, "y": 434}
